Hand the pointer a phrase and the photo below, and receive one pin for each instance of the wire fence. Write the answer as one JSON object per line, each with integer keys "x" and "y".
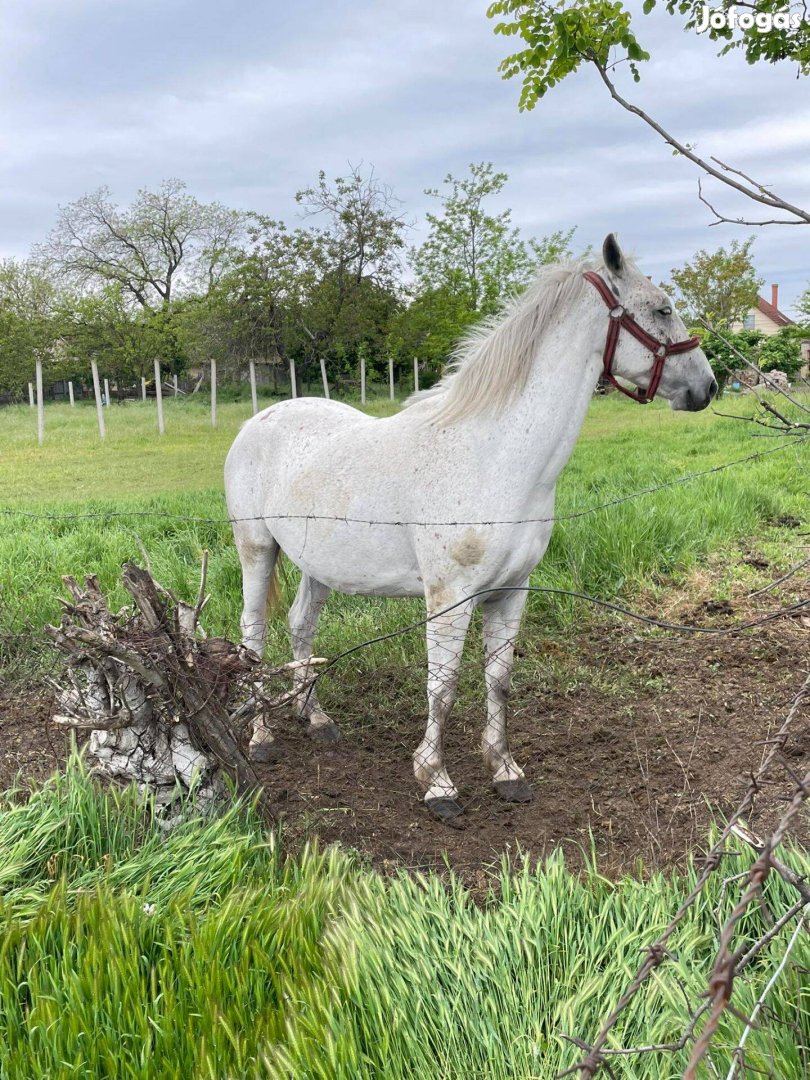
{"x": 137, "y": 729}
{"x": 134, "y": 720}
{"x": 728, "y": 964}
{"x": 574, "y": 515}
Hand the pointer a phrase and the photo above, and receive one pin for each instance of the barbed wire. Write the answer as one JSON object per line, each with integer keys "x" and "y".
{"x": 727, "y": 964}
{"x": 572, "y": 516}
{"x": 721, "y": 983}
{"x": 303, "y": 696}
{"x": 610, "y": 605}
{"x": 138, "y": 746}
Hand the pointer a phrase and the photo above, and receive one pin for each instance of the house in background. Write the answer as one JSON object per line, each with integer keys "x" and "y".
{"x": 765, "y": 317}
{"x": 768, "y": 319}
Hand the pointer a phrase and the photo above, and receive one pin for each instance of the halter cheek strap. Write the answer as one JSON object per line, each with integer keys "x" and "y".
{"x": 621, "y": 319}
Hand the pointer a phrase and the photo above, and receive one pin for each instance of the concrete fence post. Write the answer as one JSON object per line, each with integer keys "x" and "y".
{"x": 99, "y": 407}
{"x": 40, "y": 406}
{"x": 159, "y": 397}
{"x": 254, "y": 399}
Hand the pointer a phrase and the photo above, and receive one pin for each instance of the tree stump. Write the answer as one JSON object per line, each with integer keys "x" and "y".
{"x": 166, "y": 706}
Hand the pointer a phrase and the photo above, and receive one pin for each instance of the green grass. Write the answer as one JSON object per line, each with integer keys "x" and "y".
{"x": 209, "y": 952}
{"x": 133, "y": 460}
{"x": 643, "y": 544}
{"x": 126, "y": 953}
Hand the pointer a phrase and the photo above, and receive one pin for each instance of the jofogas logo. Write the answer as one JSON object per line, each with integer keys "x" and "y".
{"x": 762, "y": 21}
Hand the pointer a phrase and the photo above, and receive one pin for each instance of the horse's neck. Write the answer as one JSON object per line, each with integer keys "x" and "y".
{"x": 537, "y": 432}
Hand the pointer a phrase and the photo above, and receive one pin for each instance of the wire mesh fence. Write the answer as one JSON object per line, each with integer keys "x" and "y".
{"x": 144, "y": 699}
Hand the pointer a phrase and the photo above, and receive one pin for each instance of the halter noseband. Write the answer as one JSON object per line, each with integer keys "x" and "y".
{"x": 660, "y": 349}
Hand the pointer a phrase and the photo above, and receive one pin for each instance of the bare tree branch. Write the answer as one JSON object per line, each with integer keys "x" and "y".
{"x": 752, "y": 189}
{"x": 772, "y": 384}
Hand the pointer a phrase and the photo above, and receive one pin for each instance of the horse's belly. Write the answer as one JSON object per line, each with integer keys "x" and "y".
{"x": 351, "y": 557}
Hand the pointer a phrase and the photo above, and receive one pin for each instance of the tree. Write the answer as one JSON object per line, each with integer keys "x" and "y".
{"x": 559, "y": 38}
{"x": 476, "y": 256}
{"x": 803, "y": 304}
{"x": 257, "y": 310}
{"x": 122, "y": 338}
{"x": 166, "y": 241}
{"x": 29, "y": 327}
{"x": 782, "y": 351}
{"x": 355, "y": 258}
{"x": 719, "y": 286}
{"x": 472, "y": 259}
{"x": 722, "y": 351}
{"x": 779, "y": 352}
{"x": 363, "y": 229}
{"x": 428, "y": 327}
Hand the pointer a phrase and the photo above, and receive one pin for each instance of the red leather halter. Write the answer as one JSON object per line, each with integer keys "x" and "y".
{"x": 660, "y": 349}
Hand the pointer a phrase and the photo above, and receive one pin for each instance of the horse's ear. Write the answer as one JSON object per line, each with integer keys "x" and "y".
{"x": 612, "y": 255}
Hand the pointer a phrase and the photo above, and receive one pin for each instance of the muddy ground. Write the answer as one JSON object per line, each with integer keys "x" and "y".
{"x": 632, "y": 745}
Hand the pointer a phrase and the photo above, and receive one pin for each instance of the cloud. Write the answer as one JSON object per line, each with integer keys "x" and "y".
{"x": 248, "y": 105}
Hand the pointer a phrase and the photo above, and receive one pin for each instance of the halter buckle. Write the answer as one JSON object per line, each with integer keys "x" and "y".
{"x": 661, "y": 351}
{"x": 616, "y": 312}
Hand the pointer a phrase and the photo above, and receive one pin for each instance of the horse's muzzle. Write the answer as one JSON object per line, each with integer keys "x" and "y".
{"x": 695, "y": 402}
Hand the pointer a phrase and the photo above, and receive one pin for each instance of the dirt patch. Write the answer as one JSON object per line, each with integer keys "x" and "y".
{"x": 635, "y": 768}
{"x": 30, "y": 747}
{"x": 653, "y": 737}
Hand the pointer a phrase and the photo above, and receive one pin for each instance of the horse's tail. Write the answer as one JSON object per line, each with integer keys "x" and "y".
{"x": 274, "y": 588}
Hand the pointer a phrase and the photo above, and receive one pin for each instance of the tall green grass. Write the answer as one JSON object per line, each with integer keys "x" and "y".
{"x": 209, "y": 953}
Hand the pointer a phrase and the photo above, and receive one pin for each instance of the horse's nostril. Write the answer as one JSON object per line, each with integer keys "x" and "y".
{"x": 712, "y": 388}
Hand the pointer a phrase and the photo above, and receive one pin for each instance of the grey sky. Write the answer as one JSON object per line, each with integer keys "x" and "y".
{"x": 247, "y": 104}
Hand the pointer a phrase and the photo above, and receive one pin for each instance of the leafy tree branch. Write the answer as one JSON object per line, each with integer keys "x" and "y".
{"x": 560, "y": 37}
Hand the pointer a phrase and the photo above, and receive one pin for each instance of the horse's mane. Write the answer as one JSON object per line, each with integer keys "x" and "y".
{"x": 491, "y": 363}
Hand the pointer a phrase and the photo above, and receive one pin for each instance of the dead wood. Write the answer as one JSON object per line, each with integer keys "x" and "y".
{"x": 166, "y": 705}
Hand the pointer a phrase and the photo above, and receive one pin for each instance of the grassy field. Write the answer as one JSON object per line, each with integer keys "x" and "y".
{"x": 644, "y": 545}
{"x": 129, "y": 954}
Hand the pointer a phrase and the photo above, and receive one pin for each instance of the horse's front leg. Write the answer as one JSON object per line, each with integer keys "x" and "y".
{"x": 445, "y": 644}
{"x": 501, "y": 618}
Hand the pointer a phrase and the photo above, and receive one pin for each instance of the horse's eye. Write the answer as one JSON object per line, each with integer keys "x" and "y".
{"x": 664, "y": 310}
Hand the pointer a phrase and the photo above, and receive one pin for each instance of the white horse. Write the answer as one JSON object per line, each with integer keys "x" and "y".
{"x": 454, "y": 494}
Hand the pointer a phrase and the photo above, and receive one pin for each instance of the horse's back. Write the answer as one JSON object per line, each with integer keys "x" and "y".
{"x": 281, "y": 432}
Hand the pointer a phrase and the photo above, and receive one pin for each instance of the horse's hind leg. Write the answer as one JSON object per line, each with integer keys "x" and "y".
{"x": 501, "y": 618}
{"x": 303, "y": 620}
{"x": 258, "y": 552}
{"x": 445, "y": 644}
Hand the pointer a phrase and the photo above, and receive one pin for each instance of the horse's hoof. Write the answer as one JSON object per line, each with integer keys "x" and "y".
{"x": 514, "y": 790}
{"x": 443, "y": 809}
{"x": 263, "y": 753}
{"x": 324, "y": 733}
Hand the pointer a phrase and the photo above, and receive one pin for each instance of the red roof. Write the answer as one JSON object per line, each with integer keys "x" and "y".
{"x": 774, "y": 314}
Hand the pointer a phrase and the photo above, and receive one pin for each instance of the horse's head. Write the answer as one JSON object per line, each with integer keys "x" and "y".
{"x": 682, "y": 376}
